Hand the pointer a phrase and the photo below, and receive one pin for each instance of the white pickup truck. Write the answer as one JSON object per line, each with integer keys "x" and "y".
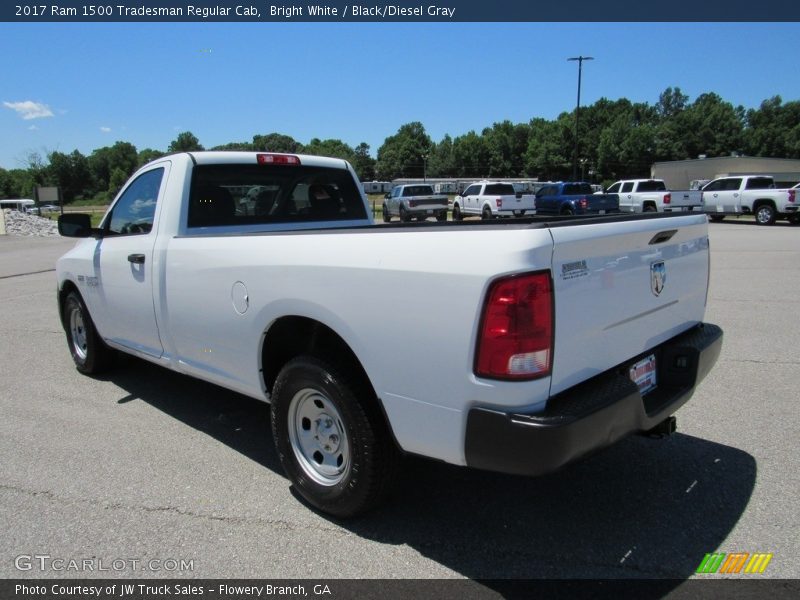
{"x": 263, "y": 273}
{"x": 415, "y": 201}
{"x": 652, "y": 195}
{"x": 491, "y": 199}
{"x": 750, "y": 195}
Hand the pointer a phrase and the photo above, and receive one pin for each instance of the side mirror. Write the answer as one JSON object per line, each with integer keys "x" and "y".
{"x": 76, "y": 225}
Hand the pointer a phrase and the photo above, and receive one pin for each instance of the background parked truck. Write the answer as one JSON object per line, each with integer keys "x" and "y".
{"x": 491, "y": 199}
{"x": 574, "y": 198}
{"x": 750, "y": 195}
{"x": 652, "y": 195}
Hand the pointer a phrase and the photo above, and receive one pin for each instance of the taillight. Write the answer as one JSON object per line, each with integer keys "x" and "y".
{"x": 791, "y": 195}
{"x": 277, "y": 159}
{"x": 412, "y": 203}
{"x": 583, "y": 203}
{"x": 516, "y": 332}
{"x": 667, "y": 198}
{"x": 499, "y": 203}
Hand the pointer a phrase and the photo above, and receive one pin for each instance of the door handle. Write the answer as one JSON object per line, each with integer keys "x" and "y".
{"x": 137, "y": 259}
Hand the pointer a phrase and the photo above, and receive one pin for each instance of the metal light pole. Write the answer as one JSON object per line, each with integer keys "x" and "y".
{"x": 580, "y": 60}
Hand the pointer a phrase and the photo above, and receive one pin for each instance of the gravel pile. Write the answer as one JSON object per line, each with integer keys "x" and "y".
{"x": 18, "y": 223}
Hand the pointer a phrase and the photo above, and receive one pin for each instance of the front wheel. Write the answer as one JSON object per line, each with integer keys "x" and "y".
{"x": 335, "y": 450}
{"x": 89, "y": 352}
{"x": 457, "y": 216}
{"x": 765, "y": 214}
{"x": 386, "y": 216}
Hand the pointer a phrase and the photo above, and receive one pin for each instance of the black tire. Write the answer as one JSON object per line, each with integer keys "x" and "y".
{"x": 89, "y": 353}
{"x": 765, "y": 214}
{"x": 716, "y": 218}
{"x": 335, "y": 449}
{"x": 794, "y": 220}
{"x": 442, "y": 216}
{"x": 486, "y": 213}
{"x": 457, "y": 216}
{"x": 405, "y": 217}
{"x": 649, "y": 208}
{"x": 567, "y": 211}
{"x": 386, "y": 216}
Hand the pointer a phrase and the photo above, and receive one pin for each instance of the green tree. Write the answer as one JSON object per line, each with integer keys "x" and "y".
{"x": 147, "y": 155}
{"x": 71, "y": 173}
{"x": 185, "y": 142}
{"x": 442, "y": 161}
{"x": 711, "y": 126}
{"x": 363, "y": 163}
{"x": 773, "y": 129}
{"x": 276, "y": 142}
{"x": 405, "y": 153}
{"x": 549, "y": 152}
{"x": 104, "y": 161}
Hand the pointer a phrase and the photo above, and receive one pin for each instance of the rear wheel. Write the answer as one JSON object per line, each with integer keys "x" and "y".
{"x": 89, "y": 352}
{"x": 442, "y": 216}
{"x": 486, "y": 213}
{"x": 331, "y": 441}
{"x": 404, "y": 216}
{"x": 567, "y": 211}
{"x": 765, "y": 214}
{"x": 649, "y": 208}
{"x": 717, "y": 218}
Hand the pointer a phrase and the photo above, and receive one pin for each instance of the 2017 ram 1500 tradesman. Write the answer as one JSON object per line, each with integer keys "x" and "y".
{"x": 263, "y": 273}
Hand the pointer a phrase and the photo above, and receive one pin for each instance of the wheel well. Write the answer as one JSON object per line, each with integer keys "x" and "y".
{"x": 62, "y": 296}
{"x": 761, "y": 202}
{"x": 289, "y": 337}
{"x": 648, "y": 204}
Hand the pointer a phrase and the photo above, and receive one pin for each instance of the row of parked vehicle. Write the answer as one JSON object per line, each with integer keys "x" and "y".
{"x": 736, "y": 195}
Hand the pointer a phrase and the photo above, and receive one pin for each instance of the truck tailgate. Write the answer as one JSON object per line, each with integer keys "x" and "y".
{"x": 622, "y": 288}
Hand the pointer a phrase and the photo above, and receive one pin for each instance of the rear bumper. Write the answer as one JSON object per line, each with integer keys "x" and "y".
{"x": 593, "y": 414}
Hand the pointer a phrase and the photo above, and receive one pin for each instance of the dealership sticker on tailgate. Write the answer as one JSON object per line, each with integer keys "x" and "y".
{"x": 643, "y": 374}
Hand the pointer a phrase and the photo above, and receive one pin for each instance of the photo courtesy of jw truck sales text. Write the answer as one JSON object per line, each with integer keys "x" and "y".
{"x": 259, "y": 272}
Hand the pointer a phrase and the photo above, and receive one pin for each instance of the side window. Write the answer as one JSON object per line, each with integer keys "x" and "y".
{"x": 472, "y": 190}
{"x": 627, "y": 187}
{"x": 714, "y": 186}
{"x": 136, "y": 208}
{"x": 396, "y": 192}
{"x": 614, "y": 188}
{"x": 733, "y": 184}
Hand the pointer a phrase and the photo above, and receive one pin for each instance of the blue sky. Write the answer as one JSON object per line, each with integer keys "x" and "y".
{"x": 67, "y": 86}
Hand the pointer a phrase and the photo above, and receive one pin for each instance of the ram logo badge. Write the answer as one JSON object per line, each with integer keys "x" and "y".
{"x": 658, "y": 277}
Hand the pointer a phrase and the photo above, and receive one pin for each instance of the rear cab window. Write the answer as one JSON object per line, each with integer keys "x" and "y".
{"x": 231, "y": 195}
{"x": 500, "y": 189}
{"x": 652, "y": 186}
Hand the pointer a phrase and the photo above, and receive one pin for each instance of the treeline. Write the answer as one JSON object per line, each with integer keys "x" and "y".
{"x": 617, "y": 138}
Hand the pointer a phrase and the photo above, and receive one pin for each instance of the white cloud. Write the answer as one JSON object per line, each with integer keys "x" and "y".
{"x": 105, "y": 129}
{"x": 33, "y": 128}
{"x": 30, "y": 109}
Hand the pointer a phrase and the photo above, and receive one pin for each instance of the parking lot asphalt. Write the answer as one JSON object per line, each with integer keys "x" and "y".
{"x": 145, "y": 464}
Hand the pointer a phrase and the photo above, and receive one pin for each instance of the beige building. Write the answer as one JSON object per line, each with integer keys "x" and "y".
{"x": 678, "y": 174}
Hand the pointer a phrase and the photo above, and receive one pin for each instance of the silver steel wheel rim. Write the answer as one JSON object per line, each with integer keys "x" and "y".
{"x": 77, "y": 330}
{"x": 318, "y": 437}
{"x": 762, "y": 215}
